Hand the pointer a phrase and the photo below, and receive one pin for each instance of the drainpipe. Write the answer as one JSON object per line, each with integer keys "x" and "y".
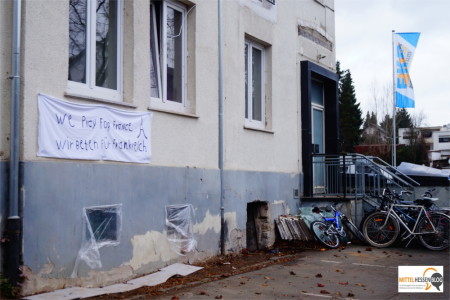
{"x": 13, "y": 223}
{"x": 221, "y": 144}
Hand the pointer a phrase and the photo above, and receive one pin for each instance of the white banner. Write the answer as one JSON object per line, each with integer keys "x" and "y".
{"x": 92, "y": 132}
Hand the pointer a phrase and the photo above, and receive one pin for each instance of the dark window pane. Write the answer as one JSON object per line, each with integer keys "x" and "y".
{"x": 106, "y": 44}
{"x": 77, "y": 40}
{"x": 317, "y": 92}
{"x": 103, "y": 223}
{"x": 154, "y": 54}
{"x": 174, "y": 55}
{"x": 257, "y": 84}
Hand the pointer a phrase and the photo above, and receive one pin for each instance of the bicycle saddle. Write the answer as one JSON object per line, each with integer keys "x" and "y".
{"x": 318, "y": 210}
{"x": 430, "y": 199}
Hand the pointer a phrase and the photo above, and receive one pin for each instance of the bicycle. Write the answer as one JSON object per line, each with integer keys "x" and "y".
{"x": 381, "y": 202}
{"x": 381, "y": 228}
{"x": 330, "y": 231}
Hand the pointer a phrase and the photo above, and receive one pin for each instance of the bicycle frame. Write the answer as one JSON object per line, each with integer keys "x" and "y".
{"x": 335, "y": 220}
{"x": 392, "y": 212}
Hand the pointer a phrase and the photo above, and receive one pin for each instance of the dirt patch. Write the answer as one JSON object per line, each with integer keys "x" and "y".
{"x": 221, "y": 267}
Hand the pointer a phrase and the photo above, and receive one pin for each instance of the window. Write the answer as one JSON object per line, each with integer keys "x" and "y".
{"x": 254, "y": 85}
{"x": 95, "y": 52}
{"x": 168, "y": 31}
{"x": 103, "y": 224}
{"x": 444, "y": 139}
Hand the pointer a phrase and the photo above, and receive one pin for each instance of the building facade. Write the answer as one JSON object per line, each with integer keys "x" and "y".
{"x": 89, "y": 218}
{"x": 436, "y": 139}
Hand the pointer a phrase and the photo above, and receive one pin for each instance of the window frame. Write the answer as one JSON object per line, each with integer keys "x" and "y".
{"x": 161, "y": 102}
{"x": 90, "y": 89}
{"x": 249, "y": 121}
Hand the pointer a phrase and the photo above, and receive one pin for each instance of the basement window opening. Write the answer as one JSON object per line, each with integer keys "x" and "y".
{"x": 103, "y": 224}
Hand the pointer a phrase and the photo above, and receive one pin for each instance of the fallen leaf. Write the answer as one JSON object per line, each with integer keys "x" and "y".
{"x": 319, "y": 275}
{"x": 343, "y": 283}
{"x": 175, "y": 298}
{"x": 242, "y": 282}
{"x": 218, "y": 297}
{"x": 258, "y": 293}
{"x": 264, "y": 284}
{"x": 320, "y": 285}
{"x": 202, "y": 293}
{"x": 266, "y": 277}
{"x": 292, "y": 273}
{"x": 368, "y": 249}
{"x": 324, "y": 292}
{"x": 350, "y": 295}
{"x": 337, "y": 270}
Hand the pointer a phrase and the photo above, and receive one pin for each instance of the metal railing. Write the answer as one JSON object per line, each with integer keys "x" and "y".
{"x": 355, "y": 175}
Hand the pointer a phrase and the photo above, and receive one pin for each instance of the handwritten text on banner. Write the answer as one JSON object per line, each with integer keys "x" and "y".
{"x": 92, "y": 132}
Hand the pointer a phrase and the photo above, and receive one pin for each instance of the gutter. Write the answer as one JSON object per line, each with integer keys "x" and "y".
{"x": 221, "y": 140}
{"x": 14, "y": 222}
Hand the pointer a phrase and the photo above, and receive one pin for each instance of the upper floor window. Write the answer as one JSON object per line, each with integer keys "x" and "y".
{"x": 444, "y": 139}
{"x": 168, "y": 32}
{"x": 95, "y": 52}
{"x": 254, "y": 84}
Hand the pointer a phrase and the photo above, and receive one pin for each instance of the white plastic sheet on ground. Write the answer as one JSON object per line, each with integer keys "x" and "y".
{"x": 179, "y": 228}
{"x": 102, "y": 227}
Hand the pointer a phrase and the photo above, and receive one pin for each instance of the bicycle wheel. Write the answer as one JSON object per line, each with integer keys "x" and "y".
{"x": 324, "y": 236}
{"x": 438, "y": 240}
{"x": 379, "y": 230}
{"x": 353, "y": 229}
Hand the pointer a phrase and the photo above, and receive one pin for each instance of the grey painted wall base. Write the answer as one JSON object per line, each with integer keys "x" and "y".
{"x": 54, "y": 195}
{"x": 3, "y": 201}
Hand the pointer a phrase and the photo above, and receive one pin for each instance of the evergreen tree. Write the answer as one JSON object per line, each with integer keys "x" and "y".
{"x": 386, "y": 124}
{"x": 367, "y": 121}
{"x": 350, "y": 114}
{"x": 403, "y": 119}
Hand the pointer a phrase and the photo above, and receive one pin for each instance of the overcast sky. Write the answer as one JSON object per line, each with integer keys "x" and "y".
{"x": 364, "y": 46}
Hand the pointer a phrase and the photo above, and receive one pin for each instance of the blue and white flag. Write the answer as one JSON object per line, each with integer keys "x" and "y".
{"x": 404, "y": 47}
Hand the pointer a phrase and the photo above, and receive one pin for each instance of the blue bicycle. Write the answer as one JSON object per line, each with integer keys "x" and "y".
{"x": 330, "y": 231}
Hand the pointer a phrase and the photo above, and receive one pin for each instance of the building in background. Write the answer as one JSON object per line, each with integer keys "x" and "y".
{"x": 439, "y": 155}
{"x": 437, "y": 141}
{"x": 120, "y": 171}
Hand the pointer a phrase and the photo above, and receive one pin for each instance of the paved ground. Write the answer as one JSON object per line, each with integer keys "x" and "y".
{"x": 357, "y": 272}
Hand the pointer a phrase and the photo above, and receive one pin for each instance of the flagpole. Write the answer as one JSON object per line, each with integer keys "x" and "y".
{"x": 394, "y": 130}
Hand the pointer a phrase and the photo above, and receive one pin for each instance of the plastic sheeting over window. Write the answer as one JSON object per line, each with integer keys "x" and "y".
{"x": 102, "y": 226}
{"x": 179, "y": 228}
